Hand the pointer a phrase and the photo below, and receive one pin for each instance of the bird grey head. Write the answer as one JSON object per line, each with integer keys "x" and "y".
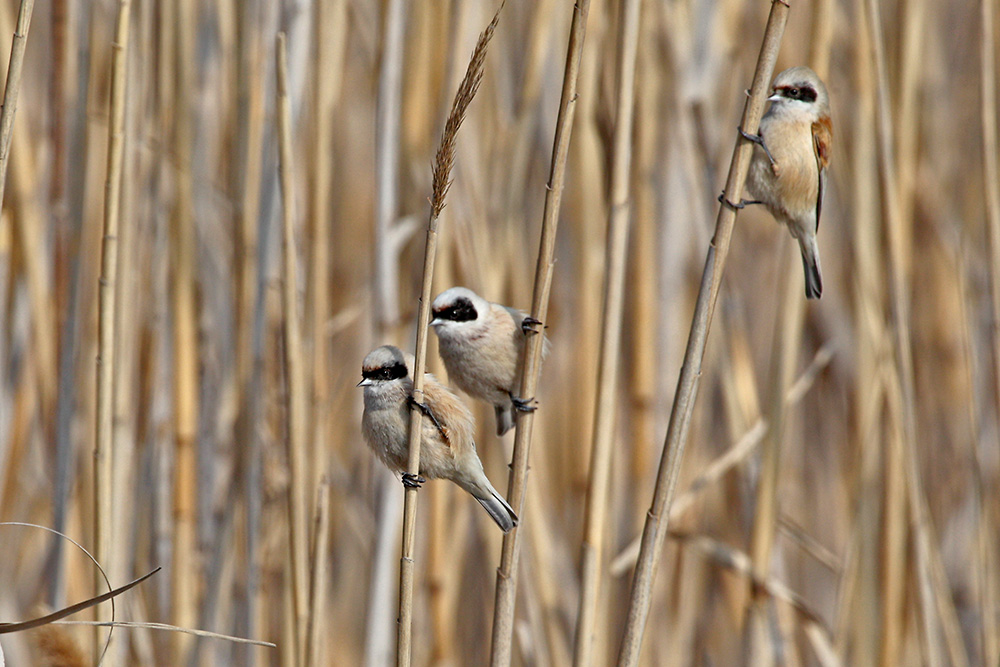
{"x": 457, "y": 304}
{"x": 383, "y": 364}
{"x": 800, "y": 86}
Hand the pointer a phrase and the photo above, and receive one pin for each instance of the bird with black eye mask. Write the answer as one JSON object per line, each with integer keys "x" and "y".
{"x": 480, "y": 343}
{"x": 788, "y": 169}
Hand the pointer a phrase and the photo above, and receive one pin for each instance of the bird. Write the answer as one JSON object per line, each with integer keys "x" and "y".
{"x": 789, "y": 164}
{"x": 480, "y": 343}
{"x": 447, "y": 447}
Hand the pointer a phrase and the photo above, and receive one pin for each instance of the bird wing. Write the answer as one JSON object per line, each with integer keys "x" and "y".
{"x": 822, "y": 133}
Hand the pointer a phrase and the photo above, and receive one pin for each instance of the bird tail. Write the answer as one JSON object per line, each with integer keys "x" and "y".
{"x": 505, "y": 418}
{"x": 810, "y": 265}
{"x": 493, "y": 502}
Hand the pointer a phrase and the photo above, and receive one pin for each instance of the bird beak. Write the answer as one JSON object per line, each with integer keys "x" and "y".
{"x": 436, "y": 322}
{"x": 774, "y": 96}
{"x": 365, "y": 383}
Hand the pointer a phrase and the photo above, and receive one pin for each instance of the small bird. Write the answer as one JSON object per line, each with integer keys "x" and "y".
{"x": 788, "y": 170}
{"x": 447, "y": 448}
{"x": 480, "y": 343}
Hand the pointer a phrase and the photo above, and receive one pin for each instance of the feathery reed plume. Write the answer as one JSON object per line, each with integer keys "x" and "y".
{"x": 619, "y": 210}
{"x": 298, "y": 539}
{"x": 104, "y": 486}
{"x": 506, "y": 581}
{"x": 441, "y": 181}
{"x": 657, "y": 519}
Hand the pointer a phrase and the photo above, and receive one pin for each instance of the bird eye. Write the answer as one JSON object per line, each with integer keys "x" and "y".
{"x": 793, "y": 93}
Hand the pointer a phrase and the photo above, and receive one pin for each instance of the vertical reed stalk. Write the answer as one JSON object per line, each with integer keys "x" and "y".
{"x": 506, "y": 582}
{"x": 991, "y": 181}
{"x": 298, "y": 539}
{"x": 441, "y": 182}
{"x": 902, "y": 461}
{"x": 591, "y": 549}
{"x": 249, "y": 322}
{"x": 319, "y": 574}
{"x": 104, "y": 483}
{"x": 991, "y": 171}
{"x": 186, "y": 564}
{"x": 13, "y": 86}
{"x": 657, "y": 519}
{"x": 784, "y": 348}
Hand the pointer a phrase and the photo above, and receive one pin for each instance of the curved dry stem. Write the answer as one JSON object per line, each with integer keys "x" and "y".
{"x": 657, "y": 519}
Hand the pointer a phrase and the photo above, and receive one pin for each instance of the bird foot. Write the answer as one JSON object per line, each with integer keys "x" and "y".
{"x": 757, "y": 139}
{"x": 523, "y": 404}
{"x": 529, "y": 325}
{"x": 739, "y": 207}
{"x": 427, "y": 412}
{"x": 412, "y": 481}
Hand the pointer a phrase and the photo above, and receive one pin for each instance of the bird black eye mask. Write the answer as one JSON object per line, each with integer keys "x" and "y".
{"x": 385, "y": 373}
{"x": 460, "y": 311}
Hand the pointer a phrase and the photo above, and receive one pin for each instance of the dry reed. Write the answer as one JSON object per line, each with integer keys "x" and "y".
{"x": 605, "y": 412}
{"x": 889, "y": 571}
{"x": 296, "y": 442}
{"x": 441, "y": 182}
{"x": 687, "y": 383}
{"x": 531, "y": 355}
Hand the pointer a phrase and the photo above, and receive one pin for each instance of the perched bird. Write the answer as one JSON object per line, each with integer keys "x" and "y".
{"x": 788, "y": 169}
{"x": 480, "y": 343}
{"x": 447, "y": 449}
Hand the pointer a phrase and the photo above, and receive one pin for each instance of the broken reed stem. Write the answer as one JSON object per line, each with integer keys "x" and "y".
{"x": 298, "y": 540}
{"x": 591, "y": 549}
{"x": 657, "y": 519}
{"x": 506, "y": 582}
{"x": 103, "y": 440}
{"x": 13, "y": 86}
{"x": 441, "y": 182}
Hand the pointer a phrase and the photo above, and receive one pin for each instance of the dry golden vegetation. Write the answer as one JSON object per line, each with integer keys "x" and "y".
{"x": 182, "y": 324}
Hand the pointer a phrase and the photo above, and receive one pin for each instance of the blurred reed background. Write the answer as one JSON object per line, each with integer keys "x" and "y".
{"x": 880, "y": 537}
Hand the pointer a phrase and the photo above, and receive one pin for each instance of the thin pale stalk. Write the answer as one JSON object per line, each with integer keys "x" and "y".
{"x": 186, "y": 565}
{"x": 591, "y": 549}
{"x": 657, "y": 519}
{"x": 991, "y": 179}
{"x": 13, "y": 86}
{"x": 785, "y": 345}
{"x": 387, "y": 131}
{"x": 298, "y": 539}
{"x": 506, "y": 582}
{"x": 320, "y": 572}
{"x": 104, "y": 483}
{"x": 441, "y": 182}
{"x": 898, "y": 245}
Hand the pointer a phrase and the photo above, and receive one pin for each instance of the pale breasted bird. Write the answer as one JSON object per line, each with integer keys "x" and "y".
{"x": 447, "y": 447}
{"x": 480, "y": 343}
{"x": 788, "y": 170}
